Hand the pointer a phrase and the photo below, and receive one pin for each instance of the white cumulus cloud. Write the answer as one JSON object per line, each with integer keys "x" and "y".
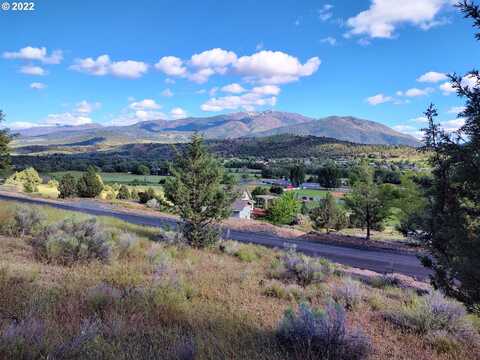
{"x": 103, "y": 65}
{"x": 246, "y": 102}
{"x": 34, "y": 53}
{"x": 379, "y": 99}
{"x": 384, "y": 16}
{"x": 178, "y": 113}
{"x": 171, "y": 66}
{"x": 275, "y": 67}
{"x": 233, "y": 88}
{"x": 32, "y": 70}
{"x": 146, "y": 104}
{"x": 432, "y": 77}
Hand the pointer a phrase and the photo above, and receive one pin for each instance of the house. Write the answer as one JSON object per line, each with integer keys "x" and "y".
{"x": 242, "y": 207}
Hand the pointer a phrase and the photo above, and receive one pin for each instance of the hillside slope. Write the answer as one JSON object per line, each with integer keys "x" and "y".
{"x": 229, "y": 126}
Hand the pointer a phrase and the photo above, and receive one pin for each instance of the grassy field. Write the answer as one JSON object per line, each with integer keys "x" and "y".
{"x": 112, "y": 178}
{"x": 153, "y": 300}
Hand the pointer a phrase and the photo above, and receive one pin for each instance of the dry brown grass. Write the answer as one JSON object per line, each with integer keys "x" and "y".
{"x": 217, "y": 300}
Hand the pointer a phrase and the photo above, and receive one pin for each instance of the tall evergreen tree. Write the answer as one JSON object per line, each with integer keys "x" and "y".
{"x": 451, "y": 226}
{"x": 196, "y": 190}
{"x": 297, "y": 175}
{"x": 366, "y": 205}
{"x": 5, "y": 139}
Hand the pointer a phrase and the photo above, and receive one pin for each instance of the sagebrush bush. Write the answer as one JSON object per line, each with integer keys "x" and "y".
{"x": 24, "y": 339}
{"x": 321, "y": 334}
{"x": 27, "y": 220}
{"x": 383, "y": 281}
{"x": 102, "y": 297}
{"x": 434, "y": 312}
{"x": 279, "y": 290}
{"x": 301, "y": 269}
{"x": 128, "y": 245}
{"x": 70, "y": 241}
{"x": 348, "y": 293}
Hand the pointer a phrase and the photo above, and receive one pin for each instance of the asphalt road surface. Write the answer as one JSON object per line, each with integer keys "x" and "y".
{"x": 375, "y": 260}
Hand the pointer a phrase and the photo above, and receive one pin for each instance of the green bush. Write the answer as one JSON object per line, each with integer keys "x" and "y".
{"x": 27, "y": 220}
{"x": 90, "y": 184}
{"x": 432, "y": 313}
{"x": 322, "y": 334}
{"x": 301, "y": 269}
{"x": 71, "y": 241}
{"x": 67, "y": 187}
{"x": 28, "y": 179}
{"x": 123, "y": 193}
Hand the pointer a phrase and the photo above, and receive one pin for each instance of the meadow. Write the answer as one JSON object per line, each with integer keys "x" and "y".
{"x": 154, "y": 296}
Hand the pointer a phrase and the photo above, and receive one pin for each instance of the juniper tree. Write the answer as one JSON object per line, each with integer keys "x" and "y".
{"x": 451, "y": 226}
{"x": 67, "y": 187}
{"x": 90, "y": 184}
{"x": 328, "y": 215}
{"x": 198, "y": 194}
{"x": 5, "y": 139}
{"x": 365, "y": 203}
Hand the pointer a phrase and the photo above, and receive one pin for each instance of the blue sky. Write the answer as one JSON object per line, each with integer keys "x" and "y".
{"x": 118, "y": 62}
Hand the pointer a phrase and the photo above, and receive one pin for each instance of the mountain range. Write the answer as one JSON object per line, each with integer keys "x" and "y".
{"x": 229, "y": 126}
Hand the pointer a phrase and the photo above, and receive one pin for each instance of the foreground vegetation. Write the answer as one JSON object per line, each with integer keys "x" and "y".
{"x": 142, "y": 293}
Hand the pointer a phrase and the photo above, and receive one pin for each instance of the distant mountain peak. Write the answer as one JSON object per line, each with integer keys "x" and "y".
{"x": 233, "y": 125}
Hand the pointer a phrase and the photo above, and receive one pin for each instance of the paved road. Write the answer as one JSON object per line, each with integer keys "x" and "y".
{"x": 375, "y": 260}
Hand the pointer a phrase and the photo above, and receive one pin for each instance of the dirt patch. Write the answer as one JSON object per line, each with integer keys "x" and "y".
{"x": 264, "y": 227}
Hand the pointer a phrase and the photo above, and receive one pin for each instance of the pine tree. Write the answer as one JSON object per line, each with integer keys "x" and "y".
{"x": 90, "y": 184}
{"x": 451, "y": 226}
{"x": 67, "y": 186}
{"x": 297, "y": 175}
{"x": 196, "y": 190}
{"x": 5, "y": 139}
{"x": 366, "y": 205}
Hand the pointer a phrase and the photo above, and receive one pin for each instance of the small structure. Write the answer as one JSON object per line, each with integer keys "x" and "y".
{"x": 242, "y": 207}
{"x": 264, "y": 201}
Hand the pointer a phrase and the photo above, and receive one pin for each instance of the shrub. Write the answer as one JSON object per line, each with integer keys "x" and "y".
{"x": 123, "y": 193}
{"x": 349, "y": 293}
{"x": 246, "y": 254}
{"x": 27, "y": 220}
{"x": 108, "y": 193}
{"x": 23, "y": 339}
{"x": 128, "y": 245}
{"x": 432, "y": 313}
{"x": 383, "y": 281}
{"x": 28, "y": 179}
{"x": 90, "y": 184}
{"x": 102, "y": 297}
{"x": 146, "y": 196}
{"x": 67, "y": 187}
{"x": 278, "y": 290}
{"x": 302, "y": 269}
{"x": 443, "y": 342}
{"x": 321, "y": 334}
{"x": 72, "y": 241}
{"x": 84, "y": 345}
